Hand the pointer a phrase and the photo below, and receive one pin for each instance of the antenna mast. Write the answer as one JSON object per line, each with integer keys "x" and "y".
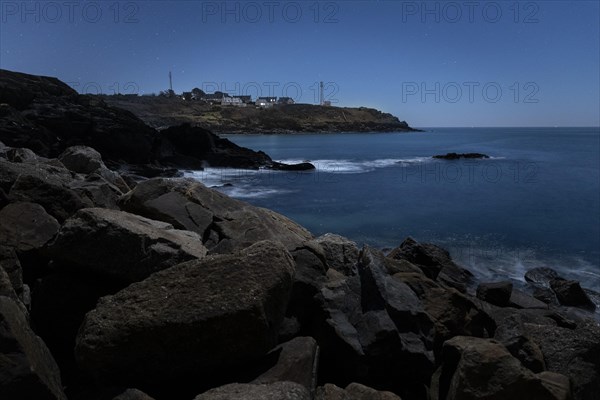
{"x": 321, "y": 97}
{"x": 170, "y": 82}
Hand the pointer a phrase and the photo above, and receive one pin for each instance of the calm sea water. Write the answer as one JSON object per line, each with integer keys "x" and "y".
{"x": 535, "y": 202}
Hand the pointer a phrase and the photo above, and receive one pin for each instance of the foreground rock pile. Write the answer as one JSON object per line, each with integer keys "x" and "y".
{"x": 116, "y": 288}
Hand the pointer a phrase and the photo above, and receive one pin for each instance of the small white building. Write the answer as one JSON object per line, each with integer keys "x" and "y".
{"x": 266, "y": 102}
{"x": 232, "y": 101}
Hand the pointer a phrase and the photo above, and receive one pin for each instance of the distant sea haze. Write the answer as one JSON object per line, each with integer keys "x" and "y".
{"x": 535, "y": 202}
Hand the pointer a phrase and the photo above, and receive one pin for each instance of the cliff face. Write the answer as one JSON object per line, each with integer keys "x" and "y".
{"x": 161, "y": 112}
{"x": 47, "y": 116}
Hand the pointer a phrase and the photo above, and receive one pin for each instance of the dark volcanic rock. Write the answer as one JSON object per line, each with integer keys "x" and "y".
{"x": 82, "y": 159}
{"x": 11, "y": 264}
{"x": 7, "y": 290}
{"x": 520, "y": 299}
{"x": 133, "y": 394}
{"x": 541, "y": 276}
{"x": 180, "y": 323}
{"x": 225, "y": 224}
{"x": 26, "y": 226}
{"x": 272, "y": 391}
{"x": 497, "y": 293}
{"x": 58, "y": 199}
{"x": 217, "y": 152}
{"x": 27, "y": 369}
{"x": 456, "y": 156}
{"x": 512, "y": 333}
{"x": 474, "y": 368}
{"x": 296, "y": 361}
{"x": 354, "y": 391}
{"x": 20, "y": 90}
{"x": 341, "y": 254}
{"x": 304, "y": 166}
{"x": 59, "y": 304}
{"x": 570, "y": 293}
{"x": 373, "y": 328}
{"x": 572, "y": 352}
{"x": 46, "y": 116}
{"x": 122, "y": 246}
{"x": 435, "y": 262}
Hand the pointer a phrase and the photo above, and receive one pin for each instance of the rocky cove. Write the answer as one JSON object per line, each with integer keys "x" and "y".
{"x": 121, "y": 281}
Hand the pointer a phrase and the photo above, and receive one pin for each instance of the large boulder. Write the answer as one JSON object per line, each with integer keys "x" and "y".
{"x": 133, "y": 394}
{"x": 26, "y": 226}
{"x": 573, "y": 352}
{"x": 294, "y": 361}
{"x": 194, "y": 319}
{"x": 341, "y": 254}
{"x": 497, "y": 293}
{"x": 435, "y": 262}
{"x": 451, "y": 312}
{"x": 86, "y": 160}
{"x": 570, "y": 293}
{"x": 82, "y": 159}
{"x": 373, "y": 328}
{"x": 474, "y": 368}
{"x": 354, "y": 391}
{"x": 541, "y": 276}
{"x": 27, "y": 369}
{"x": 122, "y": 246}
{"x": 226, "y": 224}
{"x": 271, "y": 391}
{"x": 54, "y": 194}
{"x": 9, "y": 261}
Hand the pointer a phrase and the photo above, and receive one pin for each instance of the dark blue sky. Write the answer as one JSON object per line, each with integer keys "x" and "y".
{"x": 464, "y": 63}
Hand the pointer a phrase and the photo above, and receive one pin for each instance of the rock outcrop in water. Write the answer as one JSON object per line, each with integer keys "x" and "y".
{"x": 458, "y": 156}
{"x": 172, "y": 290}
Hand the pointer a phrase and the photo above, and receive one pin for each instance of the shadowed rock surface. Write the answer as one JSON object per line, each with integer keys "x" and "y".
{"x": 225, "y": 224}
{"x": 122, "y": 246}
{"x": 27, "y": 369}
{"x": 181, "y": 322}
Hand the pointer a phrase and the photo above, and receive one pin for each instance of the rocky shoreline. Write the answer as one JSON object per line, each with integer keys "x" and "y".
{"x": 115, "y": 285}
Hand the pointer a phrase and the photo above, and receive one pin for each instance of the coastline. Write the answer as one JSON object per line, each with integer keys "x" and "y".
{"x": 118, "y": 277}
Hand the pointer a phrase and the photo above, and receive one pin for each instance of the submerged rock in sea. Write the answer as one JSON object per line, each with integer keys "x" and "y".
{"x": 303, "y": 166}
{"x": 456, "y": 156}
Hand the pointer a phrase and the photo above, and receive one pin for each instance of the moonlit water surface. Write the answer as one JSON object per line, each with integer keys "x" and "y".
{"x": 535, "y": 202}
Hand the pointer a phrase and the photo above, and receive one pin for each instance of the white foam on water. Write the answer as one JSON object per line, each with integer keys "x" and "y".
{"x": 238, "y": 183}
{"x": 357, "y": 166}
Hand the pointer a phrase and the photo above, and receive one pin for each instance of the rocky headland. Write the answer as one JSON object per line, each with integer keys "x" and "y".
{"x": 118, "y": 286}
{"x": 160, "y": 112}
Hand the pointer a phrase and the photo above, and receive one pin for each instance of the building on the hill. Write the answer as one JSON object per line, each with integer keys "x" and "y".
{"x": 285, "y": 100}
{"x": 266, "y": 102}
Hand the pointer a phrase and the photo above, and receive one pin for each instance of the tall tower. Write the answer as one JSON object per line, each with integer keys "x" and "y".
{"x": 170, "y": 82}
{"x": 321, "y": 94}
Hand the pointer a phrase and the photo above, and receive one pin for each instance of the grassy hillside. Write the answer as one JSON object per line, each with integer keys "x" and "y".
{"x": 161, "y": 112}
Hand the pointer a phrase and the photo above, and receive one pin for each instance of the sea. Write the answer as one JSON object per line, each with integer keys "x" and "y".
{"x": 534, "y": 203}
